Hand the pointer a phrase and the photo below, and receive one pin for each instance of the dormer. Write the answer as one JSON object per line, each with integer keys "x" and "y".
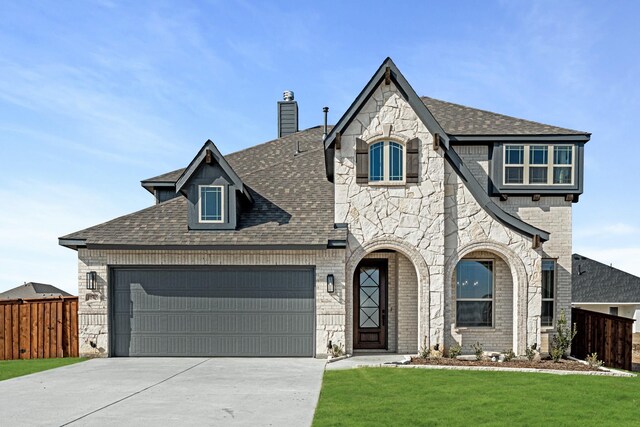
{"x": 215, "y": 193}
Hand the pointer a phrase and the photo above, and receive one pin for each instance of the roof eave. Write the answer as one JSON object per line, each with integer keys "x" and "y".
{"x": 521, "y": 138}
{"x": 74, "y": 244}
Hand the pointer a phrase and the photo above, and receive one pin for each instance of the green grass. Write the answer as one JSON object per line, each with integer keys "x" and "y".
{"x": 411, "y": 397}
{"x": 17, "y": 368}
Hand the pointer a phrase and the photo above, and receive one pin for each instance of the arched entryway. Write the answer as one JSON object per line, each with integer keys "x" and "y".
{"x": 387, "y": 298}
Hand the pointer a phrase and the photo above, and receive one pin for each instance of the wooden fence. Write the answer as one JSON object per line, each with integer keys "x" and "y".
{"x": 38, "y": 328}
{"x": 609, "y": 336}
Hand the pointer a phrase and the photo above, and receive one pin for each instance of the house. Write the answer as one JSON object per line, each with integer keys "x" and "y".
{"x": 599, "y": 287}
{"x": 33, "y": 290}
{"x": 411, "y": 222}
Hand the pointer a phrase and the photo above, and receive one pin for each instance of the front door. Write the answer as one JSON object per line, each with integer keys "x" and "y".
{"x": 370, "y": 302}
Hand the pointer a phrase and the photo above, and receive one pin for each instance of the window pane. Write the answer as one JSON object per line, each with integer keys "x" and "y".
{"x": 211, "y": 203}
{"x": 474, "y": 313}
{"x": 514, "y": 155}
{"x": 513, "y": 175}
{"x": 474, "y": 279}
{"x": 562, "y": 155}
{"x": 395, "y": 161}
{"x": 562, "y": 175}
{"x": 376, "y": 161}
{"x": 547, "y": 313}
{"x": 538, "y": 155}
{"x": 548, "y": 278}
{"x": 537, "y": 175}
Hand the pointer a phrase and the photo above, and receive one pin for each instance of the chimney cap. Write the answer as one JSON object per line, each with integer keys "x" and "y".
{"x": 287, "y": 95}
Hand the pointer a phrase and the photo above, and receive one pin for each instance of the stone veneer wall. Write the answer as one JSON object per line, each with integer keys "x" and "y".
{"x": 93, "y": 305}
{"x": 433, "y": 223}
{"x": 499, "y": 337}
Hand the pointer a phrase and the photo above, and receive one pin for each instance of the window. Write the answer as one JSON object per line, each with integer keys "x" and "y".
{"x": 538, "y": 164}
{"x": 548, "y": 291}
{"x": 211, "y": 203}
{"x": 386, "y": 162}
{"x": 474, "y": 293}
{"x": 613, "y": 310}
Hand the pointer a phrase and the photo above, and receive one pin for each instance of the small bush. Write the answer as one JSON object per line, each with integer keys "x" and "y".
{"x": 477, "y": 350}
{"x": 593, "y": 361}
{"x": 424, "y": 352}
{"x": 530, "y": 352}
{"x": 562, "y": 339}
{"x": 509, "y": 355}
{"x": 337, "y": 350}
{"x": 454, "y": 351}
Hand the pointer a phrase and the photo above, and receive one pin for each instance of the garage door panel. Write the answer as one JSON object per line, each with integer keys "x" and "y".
{"x": 220, "y": 311}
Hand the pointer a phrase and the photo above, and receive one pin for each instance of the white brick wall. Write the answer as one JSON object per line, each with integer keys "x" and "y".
{"x": 93, "y": 312}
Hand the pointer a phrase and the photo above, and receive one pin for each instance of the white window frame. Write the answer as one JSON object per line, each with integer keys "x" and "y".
{"x": 526, "y": 165}
{"x": 492, "y": 299}
{"x": 386, "y": 153}
{"x": 553, "y": 300}
{"x": 222, "y": 196}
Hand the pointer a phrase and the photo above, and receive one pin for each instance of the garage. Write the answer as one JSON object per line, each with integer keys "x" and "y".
{"x": 213, "y": 311}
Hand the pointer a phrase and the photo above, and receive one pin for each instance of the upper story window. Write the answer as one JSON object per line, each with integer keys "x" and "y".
{"x": 536, "y": 164}
{"x": 211, "y": 203}
{"x": 386, "y": 162}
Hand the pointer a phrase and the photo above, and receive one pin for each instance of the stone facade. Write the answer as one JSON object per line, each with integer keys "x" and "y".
{"x": 93, "y": 305}
{"x": 437, "y": 222}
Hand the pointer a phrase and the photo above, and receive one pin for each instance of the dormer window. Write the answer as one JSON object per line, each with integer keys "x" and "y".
{"x": 386, "y": 162}
{"x": 211, "y": 203}
{"x": 537, "y": 164}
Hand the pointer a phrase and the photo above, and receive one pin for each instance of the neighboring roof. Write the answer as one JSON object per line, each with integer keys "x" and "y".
{"x": 595, "y": 282}
{"x": 458, "y": 119}
{"x": 33, "y": 290}
{"x": 293, "y": 205}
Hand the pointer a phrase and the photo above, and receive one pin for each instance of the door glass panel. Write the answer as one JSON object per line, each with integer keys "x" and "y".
{"x": 369, "y": 297}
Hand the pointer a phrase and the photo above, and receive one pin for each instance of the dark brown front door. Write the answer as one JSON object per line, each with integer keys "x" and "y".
{"x": 370, "y": 304}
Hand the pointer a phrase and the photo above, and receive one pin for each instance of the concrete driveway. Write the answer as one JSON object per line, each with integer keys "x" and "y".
{"x": 167, "y": 391}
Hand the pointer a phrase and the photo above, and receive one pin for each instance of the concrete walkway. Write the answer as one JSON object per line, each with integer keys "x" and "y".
{"x": 167, "y": 391}
{"x": 365, "y": 360}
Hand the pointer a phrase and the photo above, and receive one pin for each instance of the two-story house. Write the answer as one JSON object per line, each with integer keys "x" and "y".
{"x": 411, "y": 222}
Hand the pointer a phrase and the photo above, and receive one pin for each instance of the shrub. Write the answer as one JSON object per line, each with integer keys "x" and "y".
{"x": 337, "y": 350}
{"x": 424, "y": 352}
{"x": 477, "y": 350}
{"x": 562, "y": 339}
{"x": 593, "y": 361}
{"x": 509, "y": 355}
{"x": 530, "y": 352}
{"x": 454, "y": 351}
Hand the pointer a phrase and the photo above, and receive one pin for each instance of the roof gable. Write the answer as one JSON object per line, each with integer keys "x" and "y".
{"x": 210, "y": 149}
{"x": 386, "y": 72}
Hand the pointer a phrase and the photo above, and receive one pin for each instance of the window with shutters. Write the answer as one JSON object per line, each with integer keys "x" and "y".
{"x": 386, "y": 162}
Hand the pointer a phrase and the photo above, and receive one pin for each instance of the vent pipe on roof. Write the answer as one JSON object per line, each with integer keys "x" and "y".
{"x": 287, "y": 115}
{"x": 325, "y": 110}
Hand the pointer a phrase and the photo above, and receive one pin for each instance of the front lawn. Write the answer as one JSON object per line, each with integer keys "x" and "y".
{"x": 396, "y": 396}
{"x": 17, "y": 368}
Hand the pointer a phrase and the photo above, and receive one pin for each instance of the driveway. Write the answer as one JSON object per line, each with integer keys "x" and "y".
{"x": 167, "y": 391}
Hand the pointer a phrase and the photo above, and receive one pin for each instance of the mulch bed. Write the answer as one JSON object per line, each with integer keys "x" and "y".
{"x": 562, "y": 365}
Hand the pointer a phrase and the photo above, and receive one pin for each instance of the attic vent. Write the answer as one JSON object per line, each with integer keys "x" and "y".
{"x": 287, "y": 115}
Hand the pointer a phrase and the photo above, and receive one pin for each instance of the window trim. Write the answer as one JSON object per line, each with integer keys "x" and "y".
{"x": 526, "y": 165}
{"x": 222, "y": 205}
{"x": 386, "y": 166}
{"x": 492, "y": 299}
{"x": 553, "y": 300}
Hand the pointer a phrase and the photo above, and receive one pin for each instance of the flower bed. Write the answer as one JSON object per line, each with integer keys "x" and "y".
{"x": 562, "y": 365}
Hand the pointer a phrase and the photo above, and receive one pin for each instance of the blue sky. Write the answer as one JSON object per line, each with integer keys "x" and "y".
{"x": 96, "y": 96}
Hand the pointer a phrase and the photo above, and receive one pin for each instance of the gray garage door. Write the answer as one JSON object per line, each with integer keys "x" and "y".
{"x": 223, "y": 311}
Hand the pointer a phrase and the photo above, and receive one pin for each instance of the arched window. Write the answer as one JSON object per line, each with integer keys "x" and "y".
{"x": 386, "y": 162}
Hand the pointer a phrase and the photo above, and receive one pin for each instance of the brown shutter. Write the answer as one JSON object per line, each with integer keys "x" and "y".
{"x": 362, "y": 161}
{"x": 413, "y": 160}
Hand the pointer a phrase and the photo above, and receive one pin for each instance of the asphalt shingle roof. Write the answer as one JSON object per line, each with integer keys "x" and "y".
{"x": 33, "y": 290}
{"x": 293, "y": 203}
{"x": 594, "y": 282}
{"x": 458, "y": 119}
